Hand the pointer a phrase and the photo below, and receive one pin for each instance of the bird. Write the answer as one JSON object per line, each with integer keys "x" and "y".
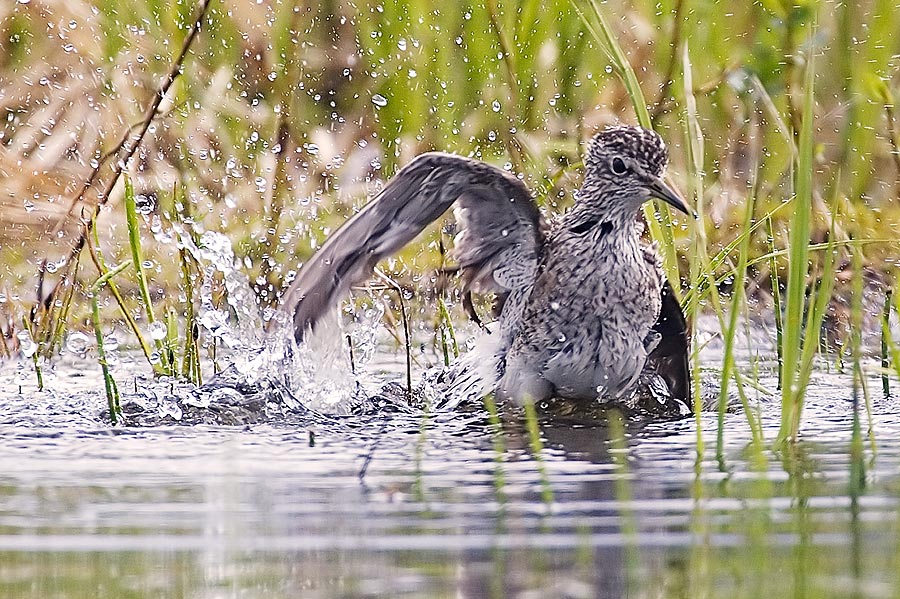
{"x": 586, "y": 313}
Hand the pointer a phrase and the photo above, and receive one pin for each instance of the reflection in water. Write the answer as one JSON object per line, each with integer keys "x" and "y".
{"x": 436, "y": 505}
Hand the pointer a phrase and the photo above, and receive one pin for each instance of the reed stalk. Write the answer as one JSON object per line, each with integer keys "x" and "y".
{"x": 134, "y": 242}
{"x": 93, "y": 246}
{"x": 700, "y": 269}
{"x": 447, "y": 324}
{"x": 38, "y": 371}
{"x": 792, "y": 392}
{"x": 694, "y": 140}
{"x": 777, "y": 306}
{"x": 857, "y": 455}
{"x": 893, "y": 348}
{"x": 738, "y": 302}
{"x": 856, "y": 332}
{"x": 885, "y": 343}
{"x": 112, "y": 390}
{"x": 59, "y": 328}
{"x": 407, "y": 342}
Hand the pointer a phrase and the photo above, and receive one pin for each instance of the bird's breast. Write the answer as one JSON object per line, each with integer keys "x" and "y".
{"x": 585, "y": 322}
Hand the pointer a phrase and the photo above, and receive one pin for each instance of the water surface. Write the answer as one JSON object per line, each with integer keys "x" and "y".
{"x": 410, "y": 504}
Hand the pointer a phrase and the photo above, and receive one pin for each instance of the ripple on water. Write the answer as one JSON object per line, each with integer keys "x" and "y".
{"x": 402, "y": 501}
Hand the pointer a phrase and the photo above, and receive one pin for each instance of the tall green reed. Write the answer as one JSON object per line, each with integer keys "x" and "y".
{"x": 803, "y": 316}
{"x": 701, "y": 271}
{"x": 887, "y": 338}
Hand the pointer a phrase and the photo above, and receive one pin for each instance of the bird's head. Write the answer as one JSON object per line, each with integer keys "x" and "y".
{"x": 623, "y": 169}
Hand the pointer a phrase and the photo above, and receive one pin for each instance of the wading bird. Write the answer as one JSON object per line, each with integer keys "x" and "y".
{"x": 587, "y": 314}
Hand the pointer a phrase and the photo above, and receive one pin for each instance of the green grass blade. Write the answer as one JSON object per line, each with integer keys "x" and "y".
{"x": 134, "y": 241}
{"x": 792, "y": 394}
{"x": 112, "y": 390}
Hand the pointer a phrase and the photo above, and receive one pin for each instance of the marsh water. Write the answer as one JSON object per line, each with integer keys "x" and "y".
{"x": 411, "y": 503}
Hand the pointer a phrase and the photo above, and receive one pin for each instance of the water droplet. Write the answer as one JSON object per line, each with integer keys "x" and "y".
{"x": 78, "y": 343}
{"x": 29, "y": 206}
{"x": 27, "y": 346}
{"x": 495, "y": 105}
{"x": 608, "y": 68}
{"x": 401, "y": 43}
{"x": 214, "y": 321}
{"x": 379, "y": 100}
{"x": 111, "y": 343}
{"x": 144, "y": 203}
{"x": 157, "y": 331}
{"x": 561, "y": 337}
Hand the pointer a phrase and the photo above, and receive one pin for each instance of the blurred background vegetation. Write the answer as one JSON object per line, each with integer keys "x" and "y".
{"x": 290, "y": 114}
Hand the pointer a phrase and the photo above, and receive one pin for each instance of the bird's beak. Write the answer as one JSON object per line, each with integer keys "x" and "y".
{"x": 659, "y": 189}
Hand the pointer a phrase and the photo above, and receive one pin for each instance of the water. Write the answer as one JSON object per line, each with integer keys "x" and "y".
{"x": 406, "y": 504}
{"x": 289, "y": 482}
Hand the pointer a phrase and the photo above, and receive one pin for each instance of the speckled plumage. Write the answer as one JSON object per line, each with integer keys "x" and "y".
{"x": 582, "y": 314}
{"x": 584, "y": 328}
{"x": 585, "y": 323}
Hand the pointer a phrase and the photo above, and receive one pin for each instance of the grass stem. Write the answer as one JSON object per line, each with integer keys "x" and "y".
{"x": 112, "y": 390}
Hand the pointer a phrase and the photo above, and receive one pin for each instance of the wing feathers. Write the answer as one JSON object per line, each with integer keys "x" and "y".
{"x": 669, "y": 358}
{"x": 497, "y": 249}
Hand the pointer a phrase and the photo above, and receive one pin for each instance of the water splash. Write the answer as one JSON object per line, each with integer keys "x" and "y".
{"x": 315, "y": 375}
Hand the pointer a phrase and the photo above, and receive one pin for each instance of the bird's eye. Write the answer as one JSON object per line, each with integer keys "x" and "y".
{"x": 618, "y": 166}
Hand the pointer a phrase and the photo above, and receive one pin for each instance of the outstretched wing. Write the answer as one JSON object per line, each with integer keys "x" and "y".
{"x": 669, "y": 359}
{"x": 497, "y": 249}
